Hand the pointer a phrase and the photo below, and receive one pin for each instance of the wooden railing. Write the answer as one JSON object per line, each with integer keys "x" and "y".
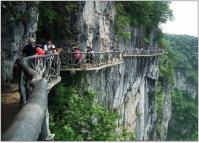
{"x": 39, "y": 74}
{"x": 97, "y": 59}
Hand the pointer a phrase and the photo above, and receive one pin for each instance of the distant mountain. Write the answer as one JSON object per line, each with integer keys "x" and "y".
{"x": 184, "y": 120}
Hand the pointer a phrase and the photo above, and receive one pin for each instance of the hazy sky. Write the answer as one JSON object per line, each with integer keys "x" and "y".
{"x": 185, "y": 18}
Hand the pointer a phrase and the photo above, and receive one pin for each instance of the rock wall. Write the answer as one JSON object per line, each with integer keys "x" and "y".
{"x": 19, "y": 21}
{"x": 129, "y": 87}
{"x": 167, "y": 110}
{"x": 182, "y": 84}
{"x": 96, "y": 25}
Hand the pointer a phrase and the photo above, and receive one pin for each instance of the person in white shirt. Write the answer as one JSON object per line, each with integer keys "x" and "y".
{"x": 49, "y": 47}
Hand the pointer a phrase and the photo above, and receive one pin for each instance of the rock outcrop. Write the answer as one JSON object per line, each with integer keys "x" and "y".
{"x": 129, "y": 87}
{"x": 181, "y": 83}
{"x": 166, "y": 110}
{"x": 19, "y": 21}
{"x": 96, "y": 25}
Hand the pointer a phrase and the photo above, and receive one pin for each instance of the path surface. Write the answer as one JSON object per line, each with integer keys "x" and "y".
{"x": 9, "y": 106}
{"x": 90, "y": 67}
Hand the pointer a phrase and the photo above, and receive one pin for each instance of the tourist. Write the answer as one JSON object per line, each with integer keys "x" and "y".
{"x": 29, "y": 50}
{"x": 40, "y": 51}
{"x": 49, "y": 47}
{"x": 89, "y": 55}
{"x": 117, "y": 54}
{"x": 77, "y": 56}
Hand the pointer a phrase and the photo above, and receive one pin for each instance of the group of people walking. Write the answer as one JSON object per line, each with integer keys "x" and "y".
{"x": 33, "y": 48}
{"x": 78, "y": 56}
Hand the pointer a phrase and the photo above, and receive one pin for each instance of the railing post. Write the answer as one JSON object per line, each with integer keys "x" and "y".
{"x": 99, "y": 59}
{"x": 71, "y": 59}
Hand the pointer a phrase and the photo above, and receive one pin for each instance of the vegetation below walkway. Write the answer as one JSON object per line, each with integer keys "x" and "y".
{"x": 184, "y": 122}
{"x": 81, "y": 118}
{"x": 181, "y": 57}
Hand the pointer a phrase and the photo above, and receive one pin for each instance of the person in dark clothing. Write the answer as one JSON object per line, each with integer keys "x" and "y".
{"x": 29, "y": 50}
{"x": 89, "y": 55}
{"x": 41, "y": 43}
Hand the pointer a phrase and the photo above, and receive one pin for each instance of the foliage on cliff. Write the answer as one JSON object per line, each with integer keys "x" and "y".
{"x": 57, "y": 20}
{"x": 80, "y": 117}
{"x": 181, "y": 56}
{"x": 185, "y": 49}
{"x": 141, "y": 13}
{"x": 166, "y": 78}
{"x": 184, "y": 122}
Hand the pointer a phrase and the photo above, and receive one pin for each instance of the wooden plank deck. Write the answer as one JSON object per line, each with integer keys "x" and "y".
{"x": 89, "y": 67}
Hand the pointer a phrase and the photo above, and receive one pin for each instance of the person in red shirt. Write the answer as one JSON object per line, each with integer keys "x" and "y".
{"x": 77, "y": 57}
{"x": 39, "y": 51}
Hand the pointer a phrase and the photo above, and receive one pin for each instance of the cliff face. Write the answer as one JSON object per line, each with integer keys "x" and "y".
{"x": 96, "y": 25}
{"x": 182, "y": 84}
{"x": 19, "y": 21}
{"x": 166, "y": 110}
{"x": 129, "y": 87}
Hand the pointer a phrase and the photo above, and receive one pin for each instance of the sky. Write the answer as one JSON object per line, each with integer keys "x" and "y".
{"x": 185, "y": 18}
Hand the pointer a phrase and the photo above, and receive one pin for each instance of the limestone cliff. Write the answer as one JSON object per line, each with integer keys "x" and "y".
{"x": 129, "y": 87}
{"x": 19, "y": 21}
{"x": 162, "y": 128}
{"x": 181, "y": 83}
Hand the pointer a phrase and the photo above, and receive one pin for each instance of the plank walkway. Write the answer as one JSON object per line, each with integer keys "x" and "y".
{"x": 100, "y": 60}
{"x": 48, "y": 67}
{"x": 149, "y": 55}
{"x": 86, "y": 67}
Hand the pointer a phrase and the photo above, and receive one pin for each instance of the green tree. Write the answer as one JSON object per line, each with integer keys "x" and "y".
{"x": 179, "y": 57}
{"x": 185, "y": 51}
{"x": 184, "y": 123}
{"x": 57, "y": 20}
{"x": 141, "y": 13}
{"x": 76, "y": 118}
